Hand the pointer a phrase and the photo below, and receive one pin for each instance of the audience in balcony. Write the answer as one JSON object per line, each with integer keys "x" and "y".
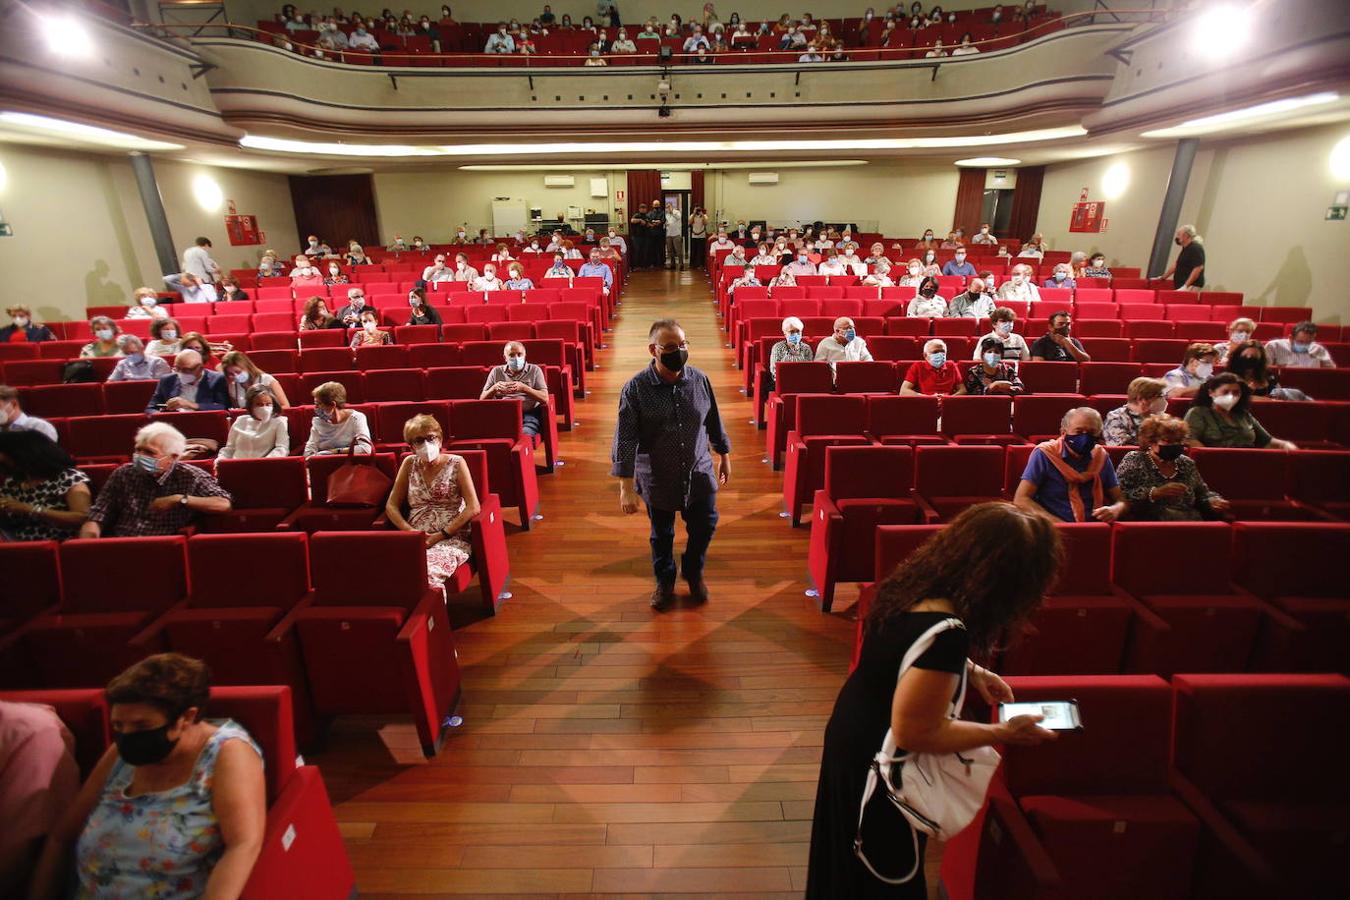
{"x": 1250, "y": 363}
{"x": 1143, "y": 398}
{"x": 331, "y": 37}
{"x": 14, "y": 419}
{"x": 1057, "y": 345}
{"x": 361, "y": 39}
{"x": 965, "y": 48}
{"x": 136, "y": 364}
{"x": 1220, "y": 416}
{"x": 595, "y": 59}
{"x": 262, "y": 430}
{"x": 175, "y": 808}
{"x": 192, "y": 289}
{"x": 937, "y": 51}
{"x": 973, "y": 303}
{"x": 1019, "y": 288}
{"x": 1071, "y": 477}
{"x": 335, "y": 427}
{"x": 438, "y": 493}
{"x": 242, "y": 375}
{"x": 992, "y": 375}
{"x": 153, "y": 494}
{"x": 1300, "y": 350}
{"x": 1160, "y": 482}
{"x": 500, "y": 41}
{"x": 927, "y": 302}
{"x": 191, "y": 386}
{"x": 844, "y": 345}
{"x": 934, "y": 375}
{"x": 165, "y": 340}
{"x": 369, "y": 334}
{"x": 1197, "y": 365}
{"x": 1061, "y": 278}
{"x": 517, "y": 379}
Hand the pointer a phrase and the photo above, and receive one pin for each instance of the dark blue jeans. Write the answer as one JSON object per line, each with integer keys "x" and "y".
{"x": 700, "y": 521}
{"x": 532, "y": 421}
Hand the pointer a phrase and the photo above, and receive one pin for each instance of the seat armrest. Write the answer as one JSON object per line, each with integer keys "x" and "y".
{"x": 1010, "y": 852}
{"x": 282, "y": 629}
{"x": 1224, "y": 832}
{"x": 930, "y": 515}
{"x": 150, "y": 634}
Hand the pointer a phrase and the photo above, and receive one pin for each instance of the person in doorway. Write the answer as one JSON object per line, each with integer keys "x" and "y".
{"x": 668, "y": 422}
{"x": 698, "y": 238}
{"x": 674, "y": 236}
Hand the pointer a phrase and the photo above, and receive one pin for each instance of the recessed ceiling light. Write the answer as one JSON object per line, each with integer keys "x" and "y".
{"x": 258, "y": 142}
{"x": 1222, "y": 31}
{"x": 66, "y": 36}
{"x": 48, "y": 126}
{"x": 1236, "y": 117}
{"x": 986, "y": 161}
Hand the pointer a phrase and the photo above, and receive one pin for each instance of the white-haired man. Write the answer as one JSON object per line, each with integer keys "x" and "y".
{"x": 1188, "y": 272}
{"x": 153, "y": 494}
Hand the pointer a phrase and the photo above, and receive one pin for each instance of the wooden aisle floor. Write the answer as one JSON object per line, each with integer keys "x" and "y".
{"x": 606, "y": 749}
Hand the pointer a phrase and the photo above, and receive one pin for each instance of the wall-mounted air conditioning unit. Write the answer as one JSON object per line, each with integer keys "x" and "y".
{"x": 763, "y": 177}
{"x": 559, "y": 181}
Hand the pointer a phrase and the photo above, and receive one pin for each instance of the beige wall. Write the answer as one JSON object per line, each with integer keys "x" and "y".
{"x": 1259, "y": 203}
{"x": 80, "y": 233}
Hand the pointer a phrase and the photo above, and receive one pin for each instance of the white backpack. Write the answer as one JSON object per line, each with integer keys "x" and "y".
{"x": 939, "y": 794}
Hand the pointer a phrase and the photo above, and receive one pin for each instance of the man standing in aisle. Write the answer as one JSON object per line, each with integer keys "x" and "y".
{"x": 656, "y": 234}
{"x": 637, "y": 230}
{"x": 674, "y": 237}
{"x": 668, "y": 420}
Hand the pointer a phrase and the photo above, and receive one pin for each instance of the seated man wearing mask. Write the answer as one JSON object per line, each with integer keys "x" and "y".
{"x": 193, "y": 289}
{"x": 844, "y": 345}
{"x": 594, "y": 268}
{"x": 1019, "y": 288}
{"x": 1300, "y": 350}
{"x": 190, "y": 386}
{"x": 1056, "y": 345}
{"x": 519, "y": 380}
{"x": 959, "y": 265}
{"x": 438, "y": 271}
{"x": 1197, "y": 364}
{"x": 801, "y": 264}
{"x": 973, "y": 303}
{"x": 1143, "y": 398}
{"x": 135, "y": 364}
{"x": 1071, "y": 477}
{"x": 488, "y": 281}
{"x": 349, "y": 316}
{"x": 983, "y": 236}
{"x": 464, "y": 271}
{"x": 935, "y": 375}
{"x": 13, "y": 418}
{"x": 153, "y": 494}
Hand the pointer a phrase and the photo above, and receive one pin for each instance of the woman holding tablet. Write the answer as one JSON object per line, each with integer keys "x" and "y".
{"x": 988, "y": 570}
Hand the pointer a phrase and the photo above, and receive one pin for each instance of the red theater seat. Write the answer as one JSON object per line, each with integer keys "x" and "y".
{"x": 264, "y": 492}
{"x": 978, "y": 419}
{"x": 494, "y": 427}
{"x": 793, "y": 378}
{"x": 909, "y": 420}
{"x": 948, "y": 479}
{"x": 32, "y": 581}
{"x": 822, "y": 420}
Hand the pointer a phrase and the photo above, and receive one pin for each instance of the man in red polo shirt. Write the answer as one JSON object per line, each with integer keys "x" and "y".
{"x": 935, "y": 374}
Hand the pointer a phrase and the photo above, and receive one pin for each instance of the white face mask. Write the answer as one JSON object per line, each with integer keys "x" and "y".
{"x": 460, "y": 266}
{"x": 262, "y": 413}
{"x": 430, "y": 449}
{"x": 333, "y": 270}
{"x": 1157, "y": 406}
{"x": 370, "y": 326}
{"x": 148, "y": 302}
{"x": 1204, "y": 370}
{"x": 1225, "y": 401}
{"x": 915, "y": 270}
{"x": 104, "y": 334}
{"x": 169, "y": 334}
{"x": 1238, "y": 337}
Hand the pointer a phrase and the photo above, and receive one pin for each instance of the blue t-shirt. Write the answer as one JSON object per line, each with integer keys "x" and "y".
{"x": 1051, "y": 490}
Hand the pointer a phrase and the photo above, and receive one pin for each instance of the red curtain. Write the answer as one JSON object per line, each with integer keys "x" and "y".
{"x": 1026, "y": 202}
{"x": 337, "y": 208}
{"x": 644, "y": 186}
{"x": 969, "y": 200}
{"x": 696, "y": 188}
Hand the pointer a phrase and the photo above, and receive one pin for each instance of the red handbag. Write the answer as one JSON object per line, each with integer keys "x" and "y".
{"x": 358, "y": 482}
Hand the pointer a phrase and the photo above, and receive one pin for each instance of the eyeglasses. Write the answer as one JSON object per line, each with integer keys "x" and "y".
{"x": 422, "y": 440}
{"x": 670, "y": 348}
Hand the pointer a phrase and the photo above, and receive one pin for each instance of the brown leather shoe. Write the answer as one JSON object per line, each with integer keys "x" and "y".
{"x": 663, "y": 598}
{"x": 698, "y": 592}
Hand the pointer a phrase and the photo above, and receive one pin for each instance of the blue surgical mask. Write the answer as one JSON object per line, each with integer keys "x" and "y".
{"x": 794, "y": 337}
{"x": 1004, "y": 327}
{"x": 146, "y": 463}
{"x": 137, "y": 358}
{"x": 1059, "y": 276}
{"x": 516, "y": 363}
{"x": 850, "y": 334}
{"x": 801, "y": 257}
{"x": 169, "y": 334}
{"x": 1298, "y": 347}
{"x": 322, "y": 415}
{"x": 1080, "y": 443}
{"x": 241, "y": 378}
{"x": 992, "y": 358}
{"x": 937, "y": 360}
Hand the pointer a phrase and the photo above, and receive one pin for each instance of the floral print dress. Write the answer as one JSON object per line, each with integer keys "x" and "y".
{"x": 160, "y": 845}
{"x": 434, "y": 506}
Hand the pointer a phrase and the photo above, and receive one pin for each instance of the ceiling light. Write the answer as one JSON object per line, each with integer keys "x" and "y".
{"x": 1115, "y": 180}
{"x": 1237, "y": 117}
{"x": 66, "y": 36}
{"x": 208, "y": 193}
{"x": 1221, "y": 31}
{"x": 257, "y": 142}
{"x": 987, "y": 161}
{"x": 27, "y": 122}
{"x": 1340, "y": 159}
{"x": 674, "y": 166}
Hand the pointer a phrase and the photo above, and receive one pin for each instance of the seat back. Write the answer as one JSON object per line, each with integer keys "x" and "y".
{"x": 393, "y": 416}
{"x": 400, "y": 579}
{"x": 282, "y": 555}
{"x": 321, "y": 469}
{"x": 894, "y": 543}
{"x": 475, "y": 419}
{"x": 32, "y": 575}
{"x": 868, "y": 472}
{"x": 902, "y": 415}
{"x": 109, "y": 575}
{"x": 276, "y": 482}
{"x": 1309, "y": 554}
{"x": 969, "y": 471}
{"x": 866, "y": 378}
{"x": 978, "y": 414}
{"x": 1087, "y": 559}
{"x": 829, "y": 414}
{"x": 804, "y": 378}
{"x": 1140, "y": 551}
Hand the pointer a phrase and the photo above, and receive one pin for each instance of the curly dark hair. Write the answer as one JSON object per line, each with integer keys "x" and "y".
{"x": 170, "y": 682}
{"x": 1241, "y": 363}
{"x": 993, "y": 563}
{"x": 34, "y": 455}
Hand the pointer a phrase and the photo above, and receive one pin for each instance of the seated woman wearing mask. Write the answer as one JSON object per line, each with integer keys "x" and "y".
{"x": 1143, "y": 398}
{"x": 1071, "y": 477}
{"x": 991, "y": 375}
{"x": 790, "y": 349}
{"x": 145, "y": 305}
{"x": 1014, "y": 345}
{"x": 1062, "y": 277}
{"x": 370, "y": 334}
{"x": 316, "y": 315}
{"x": 1160, "y": 482}
{"x": 1197, "y": 364}
{"x": 518, "y": 281}
{"x": 1250, "y": 363}
{"x": 105, "y": 339}
{"x": 439, "y": 497}
{"x": 423, "y": 313}
{"x": 335, "y": 426}
{"x": 913, "y": 276}
{"x": 926, "y": 302}
{"x": 335, "y": 275}
{"x": 135, "y": 364}
{"x": 1239, "y": 332}
{"x": 242, "y": 375}
{"x": 165, "y": 340}
{"x": 880, "y": 276}
{"x": 560, "y": 269}
{"x": 1220, "y": 416}
{"x": 174, "y": 809}
{"x": 260, "y": 432}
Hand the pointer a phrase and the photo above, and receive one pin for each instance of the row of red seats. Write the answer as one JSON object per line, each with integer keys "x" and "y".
{"x": 1200, "y": 789}
{"x": 864, "y": 486}
{"x": 346, "y": 639}
{"x": 302, "y": 851}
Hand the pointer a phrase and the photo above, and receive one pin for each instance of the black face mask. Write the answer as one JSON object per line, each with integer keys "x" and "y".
{"x": 674, "y": 360}
{"x": 928, "y": 292}
{"x": 1169, "y": 452}
{"x": 1177, "y": 241}
{"x": 145, "y": 748}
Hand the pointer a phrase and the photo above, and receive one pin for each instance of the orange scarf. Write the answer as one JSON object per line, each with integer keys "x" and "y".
{"x": 1054, "y": 451}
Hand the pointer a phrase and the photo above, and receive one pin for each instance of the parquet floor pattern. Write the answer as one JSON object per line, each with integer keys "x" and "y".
{"x": 607, "y": 750}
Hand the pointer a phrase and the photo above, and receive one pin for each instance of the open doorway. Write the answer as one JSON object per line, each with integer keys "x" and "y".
{"x": 681, "y": 200}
